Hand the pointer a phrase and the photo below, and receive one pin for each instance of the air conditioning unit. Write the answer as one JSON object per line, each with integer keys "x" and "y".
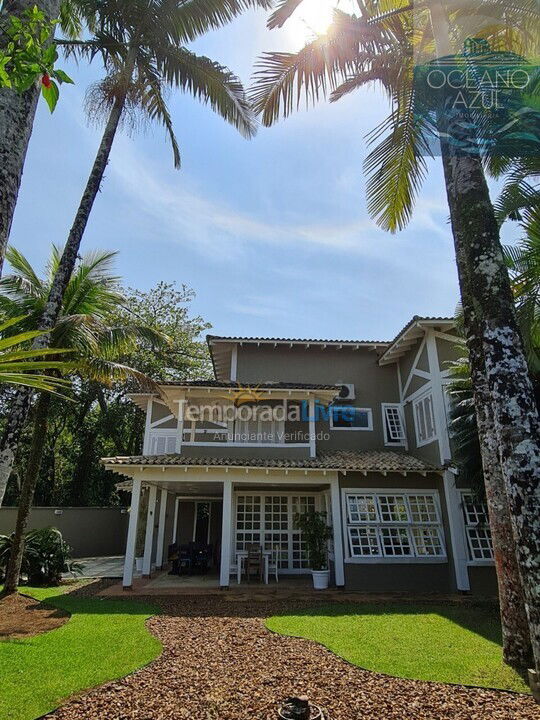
{"x": 346, "y": 391}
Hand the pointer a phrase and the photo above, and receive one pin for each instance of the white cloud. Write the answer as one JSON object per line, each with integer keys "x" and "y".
{"x": 185, "y": 214}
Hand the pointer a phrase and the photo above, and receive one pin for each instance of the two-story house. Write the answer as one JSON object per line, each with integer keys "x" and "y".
{"x": 357, "y": 429}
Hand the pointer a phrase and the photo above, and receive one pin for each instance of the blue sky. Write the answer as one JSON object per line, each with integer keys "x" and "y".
{"x": 272, "y": 233}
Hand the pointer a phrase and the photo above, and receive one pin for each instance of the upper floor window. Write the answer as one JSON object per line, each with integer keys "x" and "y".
{"x": 477, "y": 528}
{"x": 258, "y": 432}
{"x": 346, "y": 417}
{"x": 424, "y": 420}
{"x": 393, "y": 425}
{"x": 394, "y": 525}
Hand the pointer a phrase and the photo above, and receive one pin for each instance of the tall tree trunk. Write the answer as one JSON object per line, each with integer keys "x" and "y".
{"x": 51, "y": 312}
{"x": 28, "y": 488}
{"x": 512, "y": 402}
{"x": 517, "y": 649}
{"x": 502, "y": 362}
{"x": 17, "y": 111}
{"x": 20, "y": 406}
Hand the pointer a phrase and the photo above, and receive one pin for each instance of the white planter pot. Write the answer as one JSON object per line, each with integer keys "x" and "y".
{"x": 138, "y": 564}
{"x": 321, "y": 579}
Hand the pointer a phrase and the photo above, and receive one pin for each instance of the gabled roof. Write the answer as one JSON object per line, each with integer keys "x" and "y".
{"x": 221, "y": 347}
{"x": 259, "y": 386}
{"x": 291, "y": 341}
{"x": 408, "y": 336}
{"x": 345, "y": 460}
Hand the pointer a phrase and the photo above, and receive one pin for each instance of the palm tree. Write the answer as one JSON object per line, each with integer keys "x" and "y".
{"x": 141, "y": 43}
{"x": 91, "y": 297}
{"x": 379, "y": 47}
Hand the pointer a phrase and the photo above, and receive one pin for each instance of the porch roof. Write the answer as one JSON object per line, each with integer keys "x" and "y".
{"x": 367, "y": 461}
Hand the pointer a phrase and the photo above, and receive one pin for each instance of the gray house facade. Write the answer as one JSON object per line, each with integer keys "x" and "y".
{"x": 356, "y": 429}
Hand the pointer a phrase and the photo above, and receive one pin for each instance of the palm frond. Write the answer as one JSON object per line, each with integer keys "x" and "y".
{"x": 24, "y": 271}
{"x": 283, "y": 79}
{"x": 396, "y": 166}
{"x": 284, "y": 10}
{"x": 107, "y": 372}
{"x": 209, "y": 82}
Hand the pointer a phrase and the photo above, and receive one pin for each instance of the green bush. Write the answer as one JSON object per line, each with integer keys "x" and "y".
{"x": 46, "y": 556}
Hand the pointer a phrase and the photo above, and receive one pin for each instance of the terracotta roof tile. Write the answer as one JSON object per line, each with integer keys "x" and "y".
{"x": 370, "y": 460}
{"x": 261, "y": 385}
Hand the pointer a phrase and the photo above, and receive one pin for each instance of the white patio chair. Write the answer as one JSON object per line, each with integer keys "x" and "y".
{"x": 273, "y": 562}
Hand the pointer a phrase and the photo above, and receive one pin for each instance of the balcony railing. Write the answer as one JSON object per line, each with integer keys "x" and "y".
{"x": 164, "y": 442}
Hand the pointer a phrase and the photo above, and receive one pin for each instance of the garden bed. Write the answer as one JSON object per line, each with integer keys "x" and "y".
{"x": 22, "y": 616}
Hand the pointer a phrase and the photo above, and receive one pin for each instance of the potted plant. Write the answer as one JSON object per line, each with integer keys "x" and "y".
{"x": 316, "y": 534}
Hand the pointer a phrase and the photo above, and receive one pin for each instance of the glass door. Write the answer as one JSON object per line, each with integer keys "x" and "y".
{"x": 268, "y": 520}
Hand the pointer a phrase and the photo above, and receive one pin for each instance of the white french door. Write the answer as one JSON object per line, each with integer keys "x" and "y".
{"x": 268, "y": 519}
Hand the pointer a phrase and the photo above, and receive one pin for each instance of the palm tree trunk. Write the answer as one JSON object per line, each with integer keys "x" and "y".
{"x": 517, "y": 650}
{"x": 11, "y": 435}
{"x": 28, "y": 488}
{"x": 481, "y": 269}
{"x": 512, "y": 404}
{"x": 51, "y": 312}
{"x": 52, "y": 309}
{"x": 17, "y": 111}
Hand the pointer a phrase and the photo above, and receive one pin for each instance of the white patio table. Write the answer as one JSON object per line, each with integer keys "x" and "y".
{"x": 241, "y": 555}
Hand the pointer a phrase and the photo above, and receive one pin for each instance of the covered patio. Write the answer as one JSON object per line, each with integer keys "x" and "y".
{"x": 228, "y": 508}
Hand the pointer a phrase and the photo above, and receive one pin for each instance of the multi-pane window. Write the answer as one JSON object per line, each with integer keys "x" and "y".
{"x": 347, "y": 417}
{"x": 393, "y": 425}
{"x": 256, "y": 431}
{"x": 394, "y": 525}
{"x": 162, "y": 443}
{"x": 477, "y": 528}
{"x": 362, "y": 508}
{"x": 424, "y": 420}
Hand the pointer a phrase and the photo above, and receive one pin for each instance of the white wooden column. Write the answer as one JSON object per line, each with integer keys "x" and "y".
{"x": 180, "y": 426}
{"x": 149, "y": 536}
{"x": 146, "y": 441}
{"x": 335, "y": 497}
{"x": 161, "y": 527}
{"x": 457, "y": 531}
{"x": 226, "y": 527}
{"x": 312, "y": 429}
{"x": 132, "y": 533}
{"x": 437, "y": 393}
{"x": 175, "y": 520}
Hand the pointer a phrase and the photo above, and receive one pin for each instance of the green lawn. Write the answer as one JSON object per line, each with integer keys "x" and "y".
{"x": 104, "y": 639}
{"x": 454, "y": 644}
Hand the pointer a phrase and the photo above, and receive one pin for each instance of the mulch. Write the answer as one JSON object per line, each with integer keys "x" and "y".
{"x": 220, "y": 663}
{"x": 22, "y": 616}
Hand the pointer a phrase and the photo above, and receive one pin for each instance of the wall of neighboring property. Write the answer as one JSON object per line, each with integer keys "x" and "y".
{"x": 411, "y": 576}
{"x": 91, "y": 531}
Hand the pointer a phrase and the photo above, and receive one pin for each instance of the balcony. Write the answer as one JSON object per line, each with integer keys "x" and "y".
{"x": 216, "y": 418}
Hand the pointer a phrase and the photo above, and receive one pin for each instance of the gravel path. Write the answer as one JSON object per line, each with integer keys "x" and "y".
{"x": 220, "y": 663}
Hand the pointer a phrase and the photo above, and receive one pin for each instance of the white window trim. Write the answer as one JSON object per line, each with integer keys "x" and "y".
{"x": 353, "y": 429}
{"x": 471, "y": 561}
{"x": 388, "y": 442}
{"x": 371, "y": 560}
{"x": 420, "y": 399}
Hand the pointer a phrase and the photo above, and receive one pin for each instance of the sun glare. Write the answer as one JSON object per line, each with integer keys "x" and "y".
{"x": 315, "y": 16}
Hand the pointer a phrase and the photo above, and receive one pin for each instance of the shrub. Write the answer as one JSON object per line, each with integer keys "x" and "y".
{"x": 46, "y": 556}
